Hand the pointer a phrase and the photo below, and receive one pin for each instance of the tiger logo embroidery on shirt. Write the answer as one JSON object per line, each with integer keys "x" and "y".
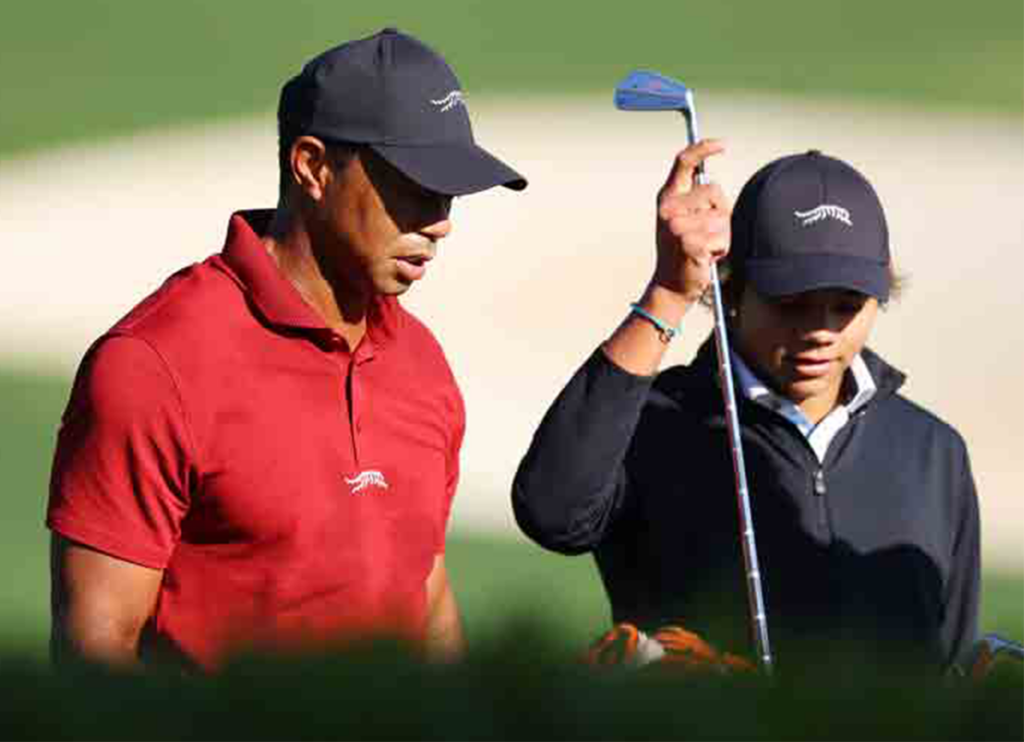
{"x": 365, "y": 479}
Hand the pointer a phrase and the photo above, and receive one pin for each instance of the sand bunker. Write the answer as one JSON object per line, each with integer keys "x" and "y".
{"x": 529, "y": 284}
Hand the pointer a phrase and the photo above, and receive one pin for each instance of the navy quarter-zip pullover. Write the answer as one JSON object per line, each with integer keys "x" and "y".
{"x": 875, "y": 547}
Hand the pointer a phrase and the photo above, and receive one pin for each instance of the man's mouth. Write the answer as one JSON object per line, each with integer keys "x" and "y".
{"x": 413, "y": 267}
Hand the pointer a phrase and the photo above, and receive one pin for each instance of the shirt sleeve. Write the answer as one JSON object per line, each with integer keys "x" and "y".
{"x": 123, "y": 465}
{"x": 452, "y": 459}
{"x": 572, "y": 481}
{"x": 963, "y": 591}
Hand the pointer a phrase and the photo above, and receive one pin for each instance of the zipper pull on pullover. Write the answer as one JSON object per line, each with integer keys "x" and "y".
{"x": 819, "y": 482}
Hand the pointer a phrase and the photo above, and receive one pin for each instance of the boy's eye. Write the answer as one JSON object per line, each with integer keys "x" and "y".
{"x": 791, "y": 306}
{"x": 850, "y": 304}
{"x": 797, "y": 305}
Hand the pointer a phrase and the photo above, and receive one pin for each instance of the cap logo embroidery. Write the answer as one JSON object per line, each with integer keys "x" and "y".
{"x": 825, "y": 211}
{"x": 364, "y": 479}
{"x": 449, "y": 102}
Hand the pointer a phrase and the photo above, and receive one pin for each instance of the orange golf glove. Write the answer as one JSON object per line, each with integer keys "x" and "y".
{"x": 669, "y": 646}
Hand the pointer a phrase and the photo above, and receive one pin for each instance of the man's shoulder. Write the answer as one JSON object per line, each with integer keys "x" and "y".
{"x": 186, "y": 305}
{"x": 187, "y": 323}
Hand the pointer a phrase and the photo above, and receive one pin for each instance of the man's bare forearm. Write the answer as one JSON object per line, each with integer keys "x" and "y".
{"x": 99, "y": 605}
{"x": 445, "y": 641}
{"x": 93, "y": 641}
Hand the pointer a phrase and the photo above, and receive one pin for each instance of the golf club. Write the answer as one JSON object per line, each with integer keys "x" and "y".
{"x": 650, "y": 91}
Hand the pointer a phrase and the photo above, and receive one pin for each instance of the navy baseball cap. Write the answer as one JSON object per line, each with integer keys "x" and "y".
{"x": 394, "y": 94}
{"x": 810, "y": 221}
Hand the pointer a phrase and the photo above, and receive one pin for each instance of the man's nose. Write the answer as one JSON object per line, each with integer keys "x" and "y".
{"x": 439, "y": 229}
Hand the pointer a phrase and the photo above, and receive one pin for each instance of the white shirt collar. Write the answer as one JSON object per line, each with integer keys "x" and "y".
{"x": 862, "y": 388}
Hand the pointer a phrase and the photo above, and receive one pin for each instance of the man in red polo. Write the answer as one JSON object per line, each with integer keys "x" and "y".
{"x": 263, "y": 453}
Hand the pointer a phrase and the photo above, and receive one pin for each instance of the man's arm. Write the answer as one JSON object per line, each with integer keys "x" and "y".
{"x": 445, "y": 640}
{"x": 99, "y": 604}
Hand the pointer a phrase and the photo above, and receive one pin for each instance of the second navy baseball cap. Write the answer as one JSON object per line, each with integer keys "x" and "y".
{"x": 810, "y": 221}
{"x": 396, "y": 95}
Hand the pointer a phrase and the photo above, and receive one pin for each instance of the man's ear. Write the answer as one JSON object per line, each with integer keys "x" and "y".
{"x": 310, "y": 164}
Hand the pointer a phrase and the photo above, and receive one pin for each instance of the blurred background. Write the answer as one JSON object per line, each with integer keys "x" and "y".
{"x": 130, "y": 130}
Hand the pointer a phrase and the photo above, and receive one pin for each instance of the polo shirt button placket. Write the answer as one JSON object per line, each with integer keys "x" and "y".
{"x": 353, "y": 400}
{"x": 347, "y": 365}
{"x": 362, "y": 355}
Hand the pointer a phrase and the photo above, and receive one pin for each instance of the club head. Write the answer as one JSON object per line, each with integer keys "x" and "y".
{"x": 990, "y": 651}
{"x": 995, "y": 644}
{"x": 643, "y": 90}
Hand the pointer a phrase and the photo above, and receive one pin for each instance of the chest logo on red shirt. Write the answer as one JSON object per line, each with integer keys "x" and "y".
{"x": 366, "y": 479}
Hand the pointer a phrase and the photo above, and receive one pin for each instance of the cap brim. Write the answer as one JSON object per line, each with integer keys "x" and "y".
{"x": 451, "y": 169}
{"x": 796, "y": 274}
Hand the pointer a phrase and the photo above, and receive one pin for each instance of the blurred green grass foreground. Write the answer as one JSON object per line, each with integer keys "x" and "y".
{"x": 511, "y": 690}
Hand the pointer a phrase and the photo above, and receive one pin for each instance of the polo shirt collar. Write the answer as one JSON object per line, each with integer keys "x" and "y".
{"x": 274, "y": 295}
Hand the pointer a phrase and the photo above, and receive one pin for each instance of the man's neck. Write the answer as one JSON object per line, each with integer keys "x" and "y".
{"x": 289, "y": 245}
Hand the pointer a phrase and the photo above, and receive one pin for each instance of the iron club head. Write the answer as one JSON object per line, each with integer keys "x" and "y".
{"x": 643, "y": 90}
{"x": 988, "y": 652}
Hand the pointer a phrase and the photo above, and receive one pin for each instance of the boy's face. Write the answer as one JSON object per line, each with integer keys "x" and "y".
{"x": 803, "y": 344}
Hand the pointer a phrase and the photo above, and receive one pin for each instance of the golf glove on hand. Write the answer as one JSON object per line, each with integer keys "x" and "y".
{"x": 670, "y": 647}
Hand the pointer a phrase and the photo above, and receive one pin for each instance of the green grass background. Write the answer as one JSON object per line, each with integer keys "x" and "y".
{"x": 79, "y": 70}
{"x": 82, "y": 71}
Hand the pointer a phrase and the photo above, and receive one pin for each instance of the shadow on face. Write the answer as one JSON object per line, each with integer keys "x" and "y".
{"x": 411, "y": 207}
{"x": 804, "y": 315}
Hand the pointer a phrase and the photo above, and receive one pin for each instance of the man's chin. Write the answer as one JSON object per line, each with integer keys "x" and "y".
{"x": 393, "y": 287}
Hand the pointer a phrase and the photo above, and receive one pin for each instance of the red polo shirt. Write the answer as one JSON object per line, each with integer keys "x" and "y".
{"x": 290, "y": 490}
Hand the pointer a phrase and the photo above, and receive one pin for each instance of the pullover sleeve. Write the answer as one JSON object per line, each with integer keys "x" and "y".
{"x": 962, "y": 599}
{"x": 572, "y": 482}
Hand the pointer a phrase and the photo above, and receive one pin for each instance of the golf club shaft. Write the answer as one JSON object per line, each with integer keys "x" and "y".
{"x": 755, "y": 597}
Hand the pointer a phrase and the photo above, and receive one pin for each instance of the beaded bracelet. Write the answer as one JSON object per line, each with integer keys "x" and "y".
{"x": 666, "y": 331}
